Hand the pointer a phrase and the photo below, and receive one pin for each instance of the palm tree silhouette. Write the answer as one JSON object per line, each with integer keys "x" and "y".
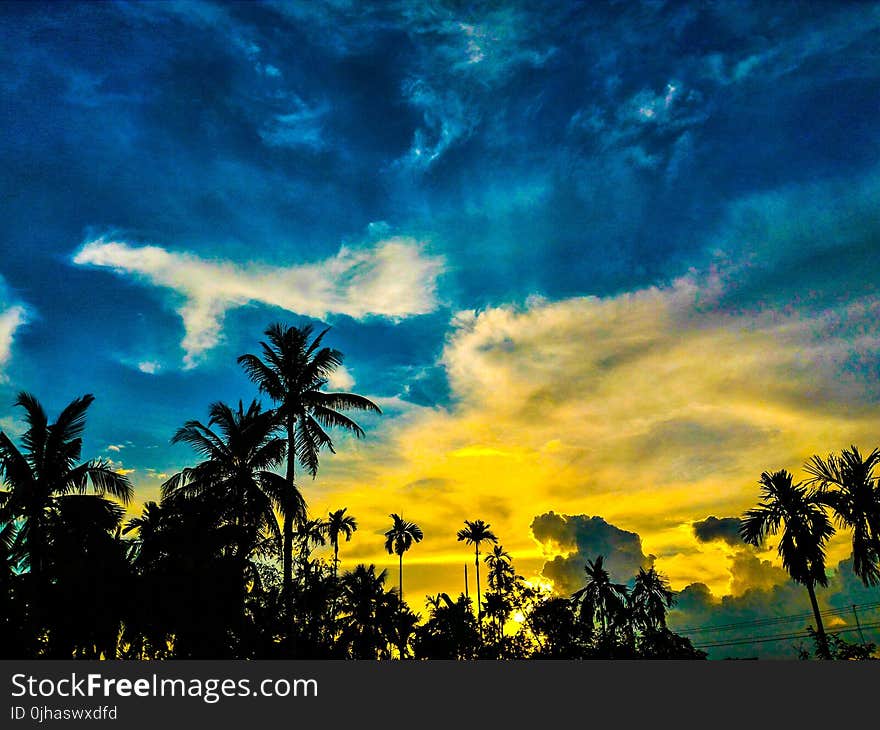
{"x": 473, "y": 534}
{"x": 90, "y": 578}
{"x": 501, "y": 572}
{"x": 47, "y": 469}
{"x": 239, "y": 456}
{"x": 311, "y": 534}
{"x": 600, "y": 598}
{"x": 339, "y": 524}
{"x": 797, "y": 511}
{"x": 39, "y": 479}
{"x": 235, "y": 482}
{"x": 450, "y": 632}
{"x": 650, "y": 598}
{"x": 399, "y": 539}
{"x": 849, "y": 486}
{"x": 367, "y": 611}
{"x": 293, "y": 370}
{"x": 186, "y": 558}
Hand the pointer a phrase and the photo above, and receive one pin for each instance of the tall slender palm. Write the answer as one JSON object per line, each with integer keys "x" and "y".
{"x": 338, "y": 524}
{"x": 399, "y": 539}
{"x": 48, "y": 469}
{"x": 473, "y": 534}
{"x": 650, "y": 598}
{"x": 600, "y": 598}
{"x": 851, "y": 488}
{"x": 292, "y": 371}
{"x": 797, "y": 511}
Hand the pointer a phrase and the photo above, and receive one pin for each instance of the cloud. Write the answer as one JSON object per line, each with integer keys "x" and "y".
{"x": 460, "y": 58}
{"x": 584, "y": 538}
{"x": 11, "y": 319}
{"x": 713, "y": 528}
{"x": 394, "y": 279}
{"x": 645, "y": 407}
{"x": 447, "y": 119}
{"x": 770, "y": 56}
{"x": 340, "y": 380}
{"x": 750, "y": 622}
{"x": 13, "y": 315}
{"x": 119, "y": 467}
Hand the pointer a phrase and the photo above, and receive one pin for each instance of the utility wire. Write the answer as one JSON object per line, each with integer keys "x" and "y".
{"x": 780, "y": 637}
{"x": 775, "y": 619}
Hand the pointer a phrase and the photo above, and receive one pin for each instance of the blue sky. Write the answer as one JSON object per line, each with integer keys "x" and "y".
{"x": 423, "y": 175}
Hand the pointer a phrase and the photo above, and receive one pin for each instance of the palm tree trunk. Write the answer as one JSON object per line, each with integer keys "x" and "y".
{"x": 335, "y": 590}
{"x": 401, "y": 647}
{"x": 479, "y": 605}
{"x": 820, "y": 628}
{"x": 287, "y": 557}
{"x": 34, "y": 603}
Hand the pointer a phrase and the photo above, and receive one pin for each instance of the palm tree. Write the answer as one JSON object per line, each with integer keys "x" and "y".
{"x": 473, "y": 534}
{"x": 849, "y": 486}
{"x": 311, "y": 534}
{"x": 367, "y": 609}
{"x": 188, "y": 597}
{"x": 450, "y": 632}
{"x": 798, "y": 512}
{"x": 39, "y": 479}
{"x": 498, "y": 608}
{"x": 292, "y": 372}
{"x": 339, "y": 524}
{"x": 48, "y": 469}
{"x": 399, "y": 539}
{"x": 650, "y": 598}
{"x": 600, "y": 598}
{"x": 239, "y": 456}
{"x": 501, "y": 572}
{"x": 236, "y": 484}
{"x": 90, "y": 578}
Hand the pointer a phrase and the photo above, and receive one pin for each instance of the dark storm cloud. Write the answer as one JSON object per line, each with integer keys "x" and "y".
{"x": 585, "y": 538}
{"x": 767, "y": 605}
{"x": 714, "y": 528}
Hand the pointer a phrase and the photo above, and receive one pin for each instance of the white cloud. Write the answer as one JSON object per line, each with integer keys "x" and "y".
{"x": 394, "y": 278}
{"x": 11, "y": 319}
{"x": 340, "y": 379}
{"x": 119, "y": 467}
{"x": 150, "y": 367}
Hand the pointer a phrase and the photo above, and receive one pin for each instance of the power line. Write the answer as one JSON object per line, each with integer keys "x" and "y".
{"x": 779, "y": 637}
{"x": 775, "y": 619}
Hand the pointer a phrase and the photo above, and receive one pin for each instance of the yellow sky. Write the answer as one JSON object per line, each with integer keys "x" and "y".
{"x": 651, "y": 409}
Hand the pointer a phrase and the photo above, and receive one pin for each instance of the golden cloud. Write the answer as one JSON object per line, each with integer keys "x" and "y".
{"x": 652, "y": 409}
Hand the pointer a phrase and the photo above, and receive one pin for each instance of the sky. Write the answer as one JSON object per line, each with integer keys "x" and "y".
{"x": 600, "y": 264}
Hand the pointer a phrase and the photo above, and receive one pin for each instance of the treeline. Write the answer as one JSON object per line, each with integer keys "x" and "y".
{"x": 224, "y": 565}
